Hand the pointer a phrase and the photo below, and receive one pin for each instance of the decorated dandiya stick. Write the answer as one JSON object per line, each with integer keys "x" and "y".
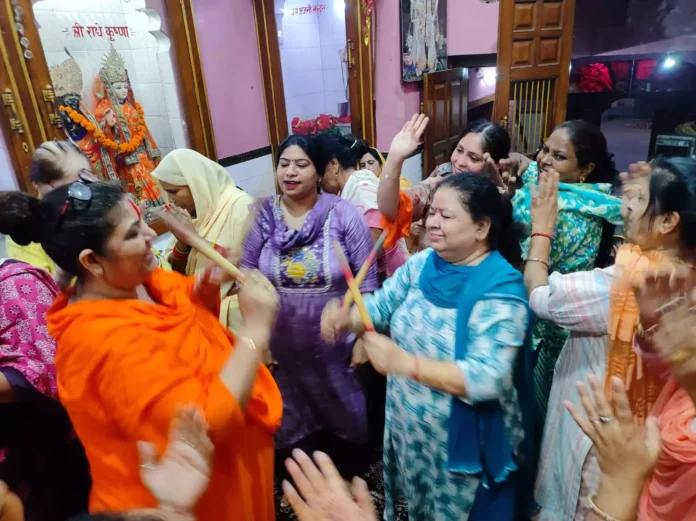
{"x": 360, "y": 277}
{"x": 353, "y": 287}
{"x": 196, "y": 241}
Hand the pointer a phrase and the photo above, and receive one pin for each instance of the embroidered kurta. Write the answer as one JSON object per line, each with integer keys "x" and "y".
{"x": 578, "y": 302}
{"x": 417, "y": 416}
{"x": 320, "y": 391}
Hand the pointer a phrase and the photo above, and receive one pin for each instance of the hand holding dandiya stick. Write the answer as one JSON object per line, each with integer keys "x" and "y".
{"x": 199, "y": 243}
{"x": 360, "y": 277}
{"x": 354, "y": 288}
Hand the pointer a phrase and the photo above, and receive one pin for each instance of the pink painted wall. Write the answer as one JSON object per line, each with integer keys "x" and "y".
{"x": 472, "y": 27}
{"x": 230, "y": 56}
{"x": 394, "y": 102}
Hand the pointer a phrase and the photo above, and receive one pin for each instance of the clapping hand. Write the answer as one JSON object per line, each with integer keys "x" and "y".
{"x": 181, "y": 476}
{"x": 407, "y": 140}
{"x": 179, "y": 222}
{"x": 323, "y": 494}
{"x": 544, "y": 209}
{"x": 625, "y": 453}
{"x": 504, "y": 178}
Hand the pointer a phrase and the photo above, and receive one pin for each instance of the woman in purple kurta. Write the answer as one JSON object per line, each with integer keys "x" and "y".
{"x": 291, "y": 242}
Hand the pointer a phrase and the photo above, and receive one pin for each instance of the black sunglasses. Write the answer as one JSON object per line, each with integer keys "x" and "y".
{"x": 79, "y": 196}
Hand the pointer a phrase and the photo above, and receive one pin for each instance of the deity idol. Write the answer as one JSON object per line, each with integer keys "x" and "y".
{"x": 78, "y": 122}
{"x": 122, "y": 121}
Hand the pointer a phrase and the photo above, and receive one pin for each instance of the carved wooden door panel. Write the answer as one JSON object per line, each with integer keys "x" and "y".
{"x": 535, "y": 40}
{"x": 445, "y": 100}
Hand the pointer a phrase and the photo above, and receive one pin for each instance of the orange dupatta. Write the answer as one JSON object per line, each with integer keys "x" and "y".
{"x": 402, "y": 226}
{"x": 642, "y": 387}
{"x": 669, "y": 494}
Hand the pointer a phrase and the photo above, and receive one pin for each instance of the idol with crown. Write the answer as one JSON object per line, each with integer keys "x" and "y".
{"x": 76, "y": 118}
{"x": 121, "y": 122}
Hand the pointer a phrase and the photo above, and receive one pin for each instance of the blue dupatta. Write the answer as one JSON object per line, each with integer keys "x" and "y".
{"x": 478, "y": 441}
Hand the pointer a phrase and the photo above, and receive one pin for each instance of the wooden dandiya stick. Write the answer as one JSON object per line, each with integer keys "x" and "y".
{"x": 199, "y": 243}
{"x": 360, "y": 277}
{"x": 354, "y": 288}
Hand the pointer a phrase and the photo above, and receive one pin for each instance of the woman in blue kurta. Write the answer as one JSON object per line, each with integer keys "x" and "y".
{"x": 459, "y": 319}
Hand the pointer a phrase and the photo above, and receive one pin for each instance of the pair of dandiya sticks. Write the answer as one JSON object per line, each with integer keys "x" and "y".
{"x": 353, "y": 294}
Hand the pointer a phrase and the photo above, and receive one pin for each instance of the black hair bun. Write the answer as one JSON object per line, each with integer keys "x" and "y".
{"x": 22, "y": 219}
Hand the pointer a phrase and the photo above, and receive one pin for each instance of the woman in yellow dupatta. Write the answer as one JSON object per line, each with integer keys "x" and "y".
{"x": 207, "y": 201}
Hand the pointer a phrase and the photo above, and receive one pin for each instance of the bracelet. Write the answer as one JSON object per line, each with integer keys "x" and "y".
{"x": 596, "y": 510}
{"x": 538, "y": 234}
{"x": 180, "y": 255}
{"x": 416, "y": 369}
{"x": 540, "y": 261}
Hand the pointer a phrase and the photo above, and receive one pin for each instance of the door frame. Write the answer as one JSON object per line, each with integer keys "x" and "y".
{"x": 29, "y": 83}
{"x": 360, "y": 75}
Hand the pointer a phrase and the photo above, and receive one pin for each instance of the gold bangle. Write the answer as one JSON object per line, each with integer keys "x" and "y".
{"x": 540, "y": 261}
{"x": 176, "y": 247}
{"x": 589, "y": 500}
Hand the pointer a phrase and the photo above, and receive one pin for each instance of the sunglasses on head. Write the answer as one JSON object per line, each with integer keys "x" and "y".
{"x": 79, "y": 196}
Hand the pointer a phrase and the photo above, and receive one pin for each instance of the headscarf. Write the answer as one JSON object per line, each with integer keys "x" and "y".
{"x": 222, "y": 213}
{"x": 222, "y": 209}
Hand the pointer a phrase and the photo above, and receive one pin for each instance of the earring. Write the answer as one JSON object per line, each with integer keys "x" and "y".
{"x": 98, "y": 271}
{"x": 582, "y": 180}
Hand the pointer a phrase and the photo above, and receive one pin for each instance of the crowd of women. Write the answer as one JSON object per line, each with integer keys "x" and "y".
{"x": 521, "y": 348}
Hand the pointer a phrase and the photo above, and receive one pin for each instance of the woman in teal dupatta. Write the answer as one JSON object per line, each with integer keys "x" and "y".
{"x": 458, "y": 439}
{"x": 577, "y": 150}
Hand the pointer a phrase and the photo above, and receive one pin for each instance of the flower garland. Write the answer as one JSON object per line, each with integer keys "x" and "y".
{"x": 123, "y": 148}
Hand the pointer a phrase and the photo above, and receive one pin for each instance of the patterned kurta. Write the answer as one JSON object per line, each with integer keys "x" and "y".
{"x": 417, "y": 416}
{"x": 582, "y": 209}
{"x": 41, "y": 459}
{"x": 320, "y": 391}
{"x": 568, "y": 471}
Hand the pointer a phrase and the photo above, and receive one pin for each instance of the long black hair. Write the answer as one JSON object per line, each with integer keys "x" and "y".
{"x": 673, "y": 189}
{"x": 347, "y": 150}
{"x": 590, "y": 147}
{"x": 483, "y": 201}
{"x": 62, "y": 230}
{"x": 309, "y": 146}
{"x": 494, "y": 139}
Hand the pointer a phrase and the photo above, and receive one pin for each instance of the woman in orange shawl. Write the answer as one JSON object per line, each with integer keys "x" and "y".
{"x": 134, "y": 342}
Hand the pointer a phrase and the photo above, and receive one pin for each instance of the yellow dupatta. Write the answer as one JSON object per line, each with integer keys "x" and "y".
{"x": 222, "y": 212}
{"x": 624, "y": 316}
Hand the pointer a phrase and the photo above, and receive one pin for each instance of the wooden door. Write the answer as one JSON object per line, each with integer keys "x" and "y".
{"x": 280, "y": 72}
{"x": 535, "y": 41}
{"x": 445, "y": 102}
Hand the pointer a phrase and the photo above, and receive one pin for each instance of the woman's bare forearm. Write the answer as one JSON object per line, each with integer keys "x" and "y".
{"x": 389, "y": 188}
{"x": 536, "y": 273}
{"x": 239, "y": 373}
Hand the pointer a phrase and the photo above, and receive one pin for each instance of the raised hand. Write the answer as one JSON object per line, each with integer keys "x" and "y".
{"x": 407, "y": 140}
{"x": 502, "y": 178}
{"x": 323, "y": 494}
{"x": 181, "y": 476}
{"x": 624, "y": 452}
{"x": 629, "y": 179}
{"x": 544, "y": 210}
{"x": 386, "y": 357}
{"x": 179, "y": 222}
{"x": 661, "y": 288}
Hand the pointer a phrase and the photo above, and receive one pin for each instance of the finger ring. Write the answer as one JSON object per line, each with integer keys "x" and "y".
{"x": 604, "y": 419}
